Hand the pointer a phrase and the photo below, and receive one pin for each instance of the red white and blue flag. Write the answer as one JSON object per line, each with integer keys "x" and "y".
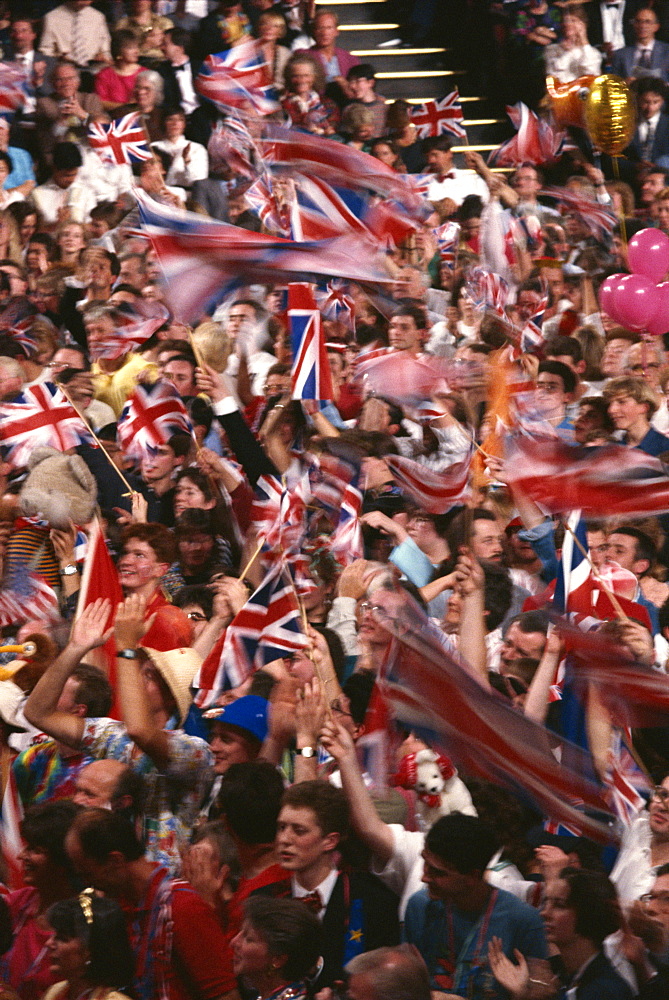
{"x": 40, "y": 415}
{"x": 27, "y": 597}
{"x": 133, "y": 327}
{"x": 151, "y": 415}
{"x": 435, "y": 492}
{"x": 311, "y": 376}
{"x": 319, "y": 212}
{"x": 535, "y": 140}
{"x": 448, "y": 238}
{"x": 262, "y": 201}
{"x": 13, "y": 87}
{"x": 346, "y": 541}
{"x": 22, "y": 335}
{"x": 122, "y": 140}
{"x": 439, "y": 117}
{"x": 531, "y": 337}
{"x": 336, "y": 302}
{"x": 240, "y": 78}
{"x": 598, "y": 218}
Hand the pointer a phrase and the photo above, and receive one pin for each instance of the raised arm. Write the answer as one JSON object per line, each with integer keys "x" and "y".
{"x": 143, "y": 729}
{"x": 366, "y": 821}
{"x": 88, "y": 632}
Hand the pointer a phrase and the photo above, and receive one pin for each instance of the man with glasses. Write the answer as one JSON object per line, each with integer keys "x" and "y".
{"x": 644, "y": 848}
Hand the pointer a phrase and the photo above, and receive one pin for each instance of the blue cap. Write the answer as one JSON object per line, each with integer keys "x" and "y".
{"x": 249, "y": 713}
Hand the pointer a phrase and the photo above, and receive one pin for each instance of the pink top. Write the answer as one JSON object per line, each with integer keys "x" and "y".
{"x": 111, "y": 86}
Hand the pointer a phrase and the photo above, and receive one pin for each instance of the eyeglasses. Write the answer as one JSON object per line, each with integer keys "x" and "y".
{"x": 335, "y": 706}
{"x": 196, "y": 616}
{"x": 550, "y": 386}
{"x": 661, "y": 898}
{"x": 376, "y": 609}
{"x": 660, "y": 793}
{"x": 640, "y": 368}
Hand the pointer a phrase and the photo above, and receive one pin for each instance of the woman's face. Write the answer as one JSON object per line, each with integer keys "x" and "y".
{"x": 36, "y": 865}
{"x": 4, "y": 172}
{"x": 250, "y": 954}
{"x": 72, "y": 239}
{"x": 559, "y": 917}
{"x": 129, "y": 53}
{"x": 28, "y": 227}
{"x": 269, "y": 29}
{"x": 68, "y": 956}
{"x": 145, "y": 96}
{"x": 175, "y": 126}
{"x": 383, "y": 152}
{"x": 302, "y": 78}
{"x": 189, "y": 495}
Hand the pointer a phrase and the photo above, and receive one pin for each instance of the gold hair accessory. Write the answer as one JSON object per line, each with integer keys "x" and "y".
{"x": 86, "y": 904}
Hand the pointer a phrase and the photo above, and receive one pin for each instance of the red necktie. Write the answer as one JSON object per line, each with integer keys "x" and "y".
{"x": 313, "y": 901}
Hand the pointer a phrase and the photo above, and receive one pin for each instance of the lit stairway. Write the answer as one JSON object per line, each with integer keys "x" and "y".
{"x": 415, "y": 74}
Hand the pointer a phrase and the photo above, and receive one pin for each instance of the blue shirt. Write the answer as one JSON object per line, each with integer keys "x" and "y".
{"x": 22, "y": 167}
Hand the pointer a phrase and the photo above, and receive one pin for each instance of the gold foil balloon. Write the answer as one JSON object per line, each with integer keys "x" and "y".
{"x": 609, "y": 114}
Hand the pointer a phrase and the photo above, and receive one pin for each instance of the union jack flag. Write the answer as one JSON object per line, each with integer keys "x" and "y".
{"x": 13, "y": 87}
{"x": 134, "y": 326}
{"x": 335, "y": 302}
{"x": 420, "y": 183}
{"x": 27, "y": 597}
{"x": 436, "y": 492}
{"x": 279, "y": 515}
{"x": 438, "y": 117}
{"x": 151, "y": 415}
{"x": 598, "y": 218}
{"x": 320, "y": 212}
{"x": 312, "y": 378}
{"x": 448, "y": 237}
{"x": 231, "y": 143}
{"x": 535, "y": 140}
{"x": 261, "y": 199}
{"x": 239, "y": 78}
{"x": 40, "y": 415}
{"x": 121, "y": 141}
{"x": 346, "y": 541}
{"x": 488, "y": 290}
{"x": 531, "y": 337}
{"x": 22, "y": 335}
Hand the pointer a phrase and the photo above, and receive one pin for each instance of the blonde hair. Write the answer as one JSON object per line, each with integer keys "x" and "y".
{"x": 636, "y": 388}
{"x": 211, "y": 344}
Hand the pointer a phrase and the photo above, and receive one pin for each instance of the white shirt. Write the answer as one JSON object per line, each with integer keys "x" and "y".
{"x": 612, "y": 24}
{"x": 566, "y": 64}
{"x": 184, "y": 76}
{"x": 325, "y": 890}
{"x": 633, "y": 874}
{"x": 456, "y": 186}
{"x": 645, "y": 125}
{"x": 49, "y": 198}
{"x": 181, "y": 173}
{"x": 64, "y": 27}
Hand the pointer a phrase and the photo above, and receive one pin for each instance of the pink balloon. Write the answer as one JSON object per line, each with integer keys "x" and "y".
{"x": 648, "y": 254}
{"x": 659, "y": 322}
{"x": 634, "y": 301}
{"x": 606, "y": 294}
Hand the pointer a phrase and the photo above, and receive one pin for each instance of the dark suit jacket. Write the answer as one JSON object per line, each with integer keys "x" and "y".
{"x": 660, "y": 142}
{"x": 172, "y": 93}
{"x": 47, "y": 113}
{"x": 49, "y": 64}
{"x": 600, "y": 981}
{"x": 624, "y": 61}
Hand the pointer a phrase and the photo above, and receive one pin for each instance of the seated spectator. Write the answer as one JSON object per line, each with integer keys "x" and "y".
{"x": 149, "y": 29}
{"x": 362, "y": 87}
{"x": 303, "y": 102}
{"x": 151, "y": 177}
{"x": 403, "y": 132}
{"x": 22, "y": 177}
{"x": 389, "y": 153}
{"x": 66, "y": 113}
{"x": 270, "y": 30}
{"x": 190, "y": 161}
{"x": 6, "y": 168}
{"x": 651, "y": 137}
{"x": 63, "y": 198}
{"x": 335, "y": 62}
{"x": 358, "y": 125}
{"x": 572, "y": 56}
{"x": 77, "y": 32}
{"x": 147, "y": 100}
{"x": 114, "y": 85}
{"x": 647, "y": 57}
{"x": 226, "y": 25}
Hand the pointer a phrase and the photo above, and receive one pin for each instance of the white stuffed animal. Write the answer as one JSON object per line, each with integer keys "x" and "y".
{"x": 435, "y": 780}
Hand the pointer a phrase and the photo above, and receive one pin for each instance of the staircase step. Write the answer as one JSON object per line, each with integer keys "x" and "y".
{"x": 396, "y": 52}
{"x": 418, "y": 74}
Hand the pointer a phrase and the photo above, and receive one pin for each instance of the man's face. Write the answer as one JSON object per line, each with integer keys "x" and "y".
{"x": 444, "y": 882}
{"x": 526, "y": 183}
{"x": 195, "y": 550}
{"x": 65, "y": 178}
{"x": 103, "y": 876}
{"x": 554, "y": 281}
{"x": 65, "y": 82}
{"x": 658, "y": 813}
{"x": 98, "y": 273}
{"x": 182, "y": 375}
{"x": 325, "y": 30}
{"x": 646, "y": 26}
{"x": 486, "y": 540}
{"x": 622, "y": 549}
{"x": 657, "y": 908}
{"x": 550, "y": 394}
{"x": 159, "y": 463}
{"x": 440, "y": 161}
{"x": 527, "y": 304}
{"x": 22, "y": 36}
{"x": 139, "y": 565}
{"x": 404, "y": 335}
{"x": 228, "y": 746}
{"x": 300, "y": 842}
{"x": 650, "y": 104}
{"x": 95, "y": 786}
{"x": 99, "y": 330}
{"x": 651, "y": 187}
{"x": 517, "y": 644}
{"x": 614, "y": 355}
{"x": 626, "y": 412}
{"x": 645, "y": 361}
{"x": 171, "y": 51}
{"x": 241, "y": 317}
{"x": 132, "y": 272}
{"x": 362, "y": 89}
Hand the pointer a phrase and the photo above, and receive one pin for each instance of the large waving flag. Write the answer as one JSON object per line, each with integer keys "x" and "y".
{"x": 602, "y": 481}
{"x": 535, "y": 140}
{"x": 40, "y": 415}
{"x": 428, "y": 688}
{"x": 151, "y": 415}
{"x": 25, "y": 597}
{"x": 599, "y": 218}
{"x": 439, "y": 117}
{"x": 13, "y": 87}
{"x": 311, "y": 376}
{"x": 240, "y": 78}
{"x": 122, "y": 140}
{"x": 436, "y": 492}
{"x": 336, "y": 302}
{"x": 133, "y": 327}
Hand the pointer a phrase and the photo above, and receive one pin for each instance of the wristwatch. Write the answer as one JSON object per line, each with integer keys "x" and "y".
{"x": 127, "y": 654}
{"x": 305, "y": 752}
{"x": 69, "y": 570}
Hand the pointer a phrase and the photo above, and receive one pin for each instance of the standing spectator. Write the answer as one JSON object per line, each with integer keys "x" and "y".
{"x": 651, "y": 137}
{"x": 334, "y": 61}
{"x": 38, "y": 66}
{"x": 271, "y": 30}
{"x": 362, "y": 88}
{"x": 76, "y": 31}
{"x": 149, "y": 29}
{"x": 572, "y": 56}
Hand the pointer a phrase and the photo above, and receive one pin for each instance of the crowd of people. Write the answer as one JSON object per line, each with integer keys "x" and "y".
{"x": 196, "y": 798}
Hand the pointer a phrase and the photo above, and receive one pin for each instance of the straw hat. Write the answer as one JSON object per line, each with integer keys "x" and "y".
{"x": 177, "y": 667}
